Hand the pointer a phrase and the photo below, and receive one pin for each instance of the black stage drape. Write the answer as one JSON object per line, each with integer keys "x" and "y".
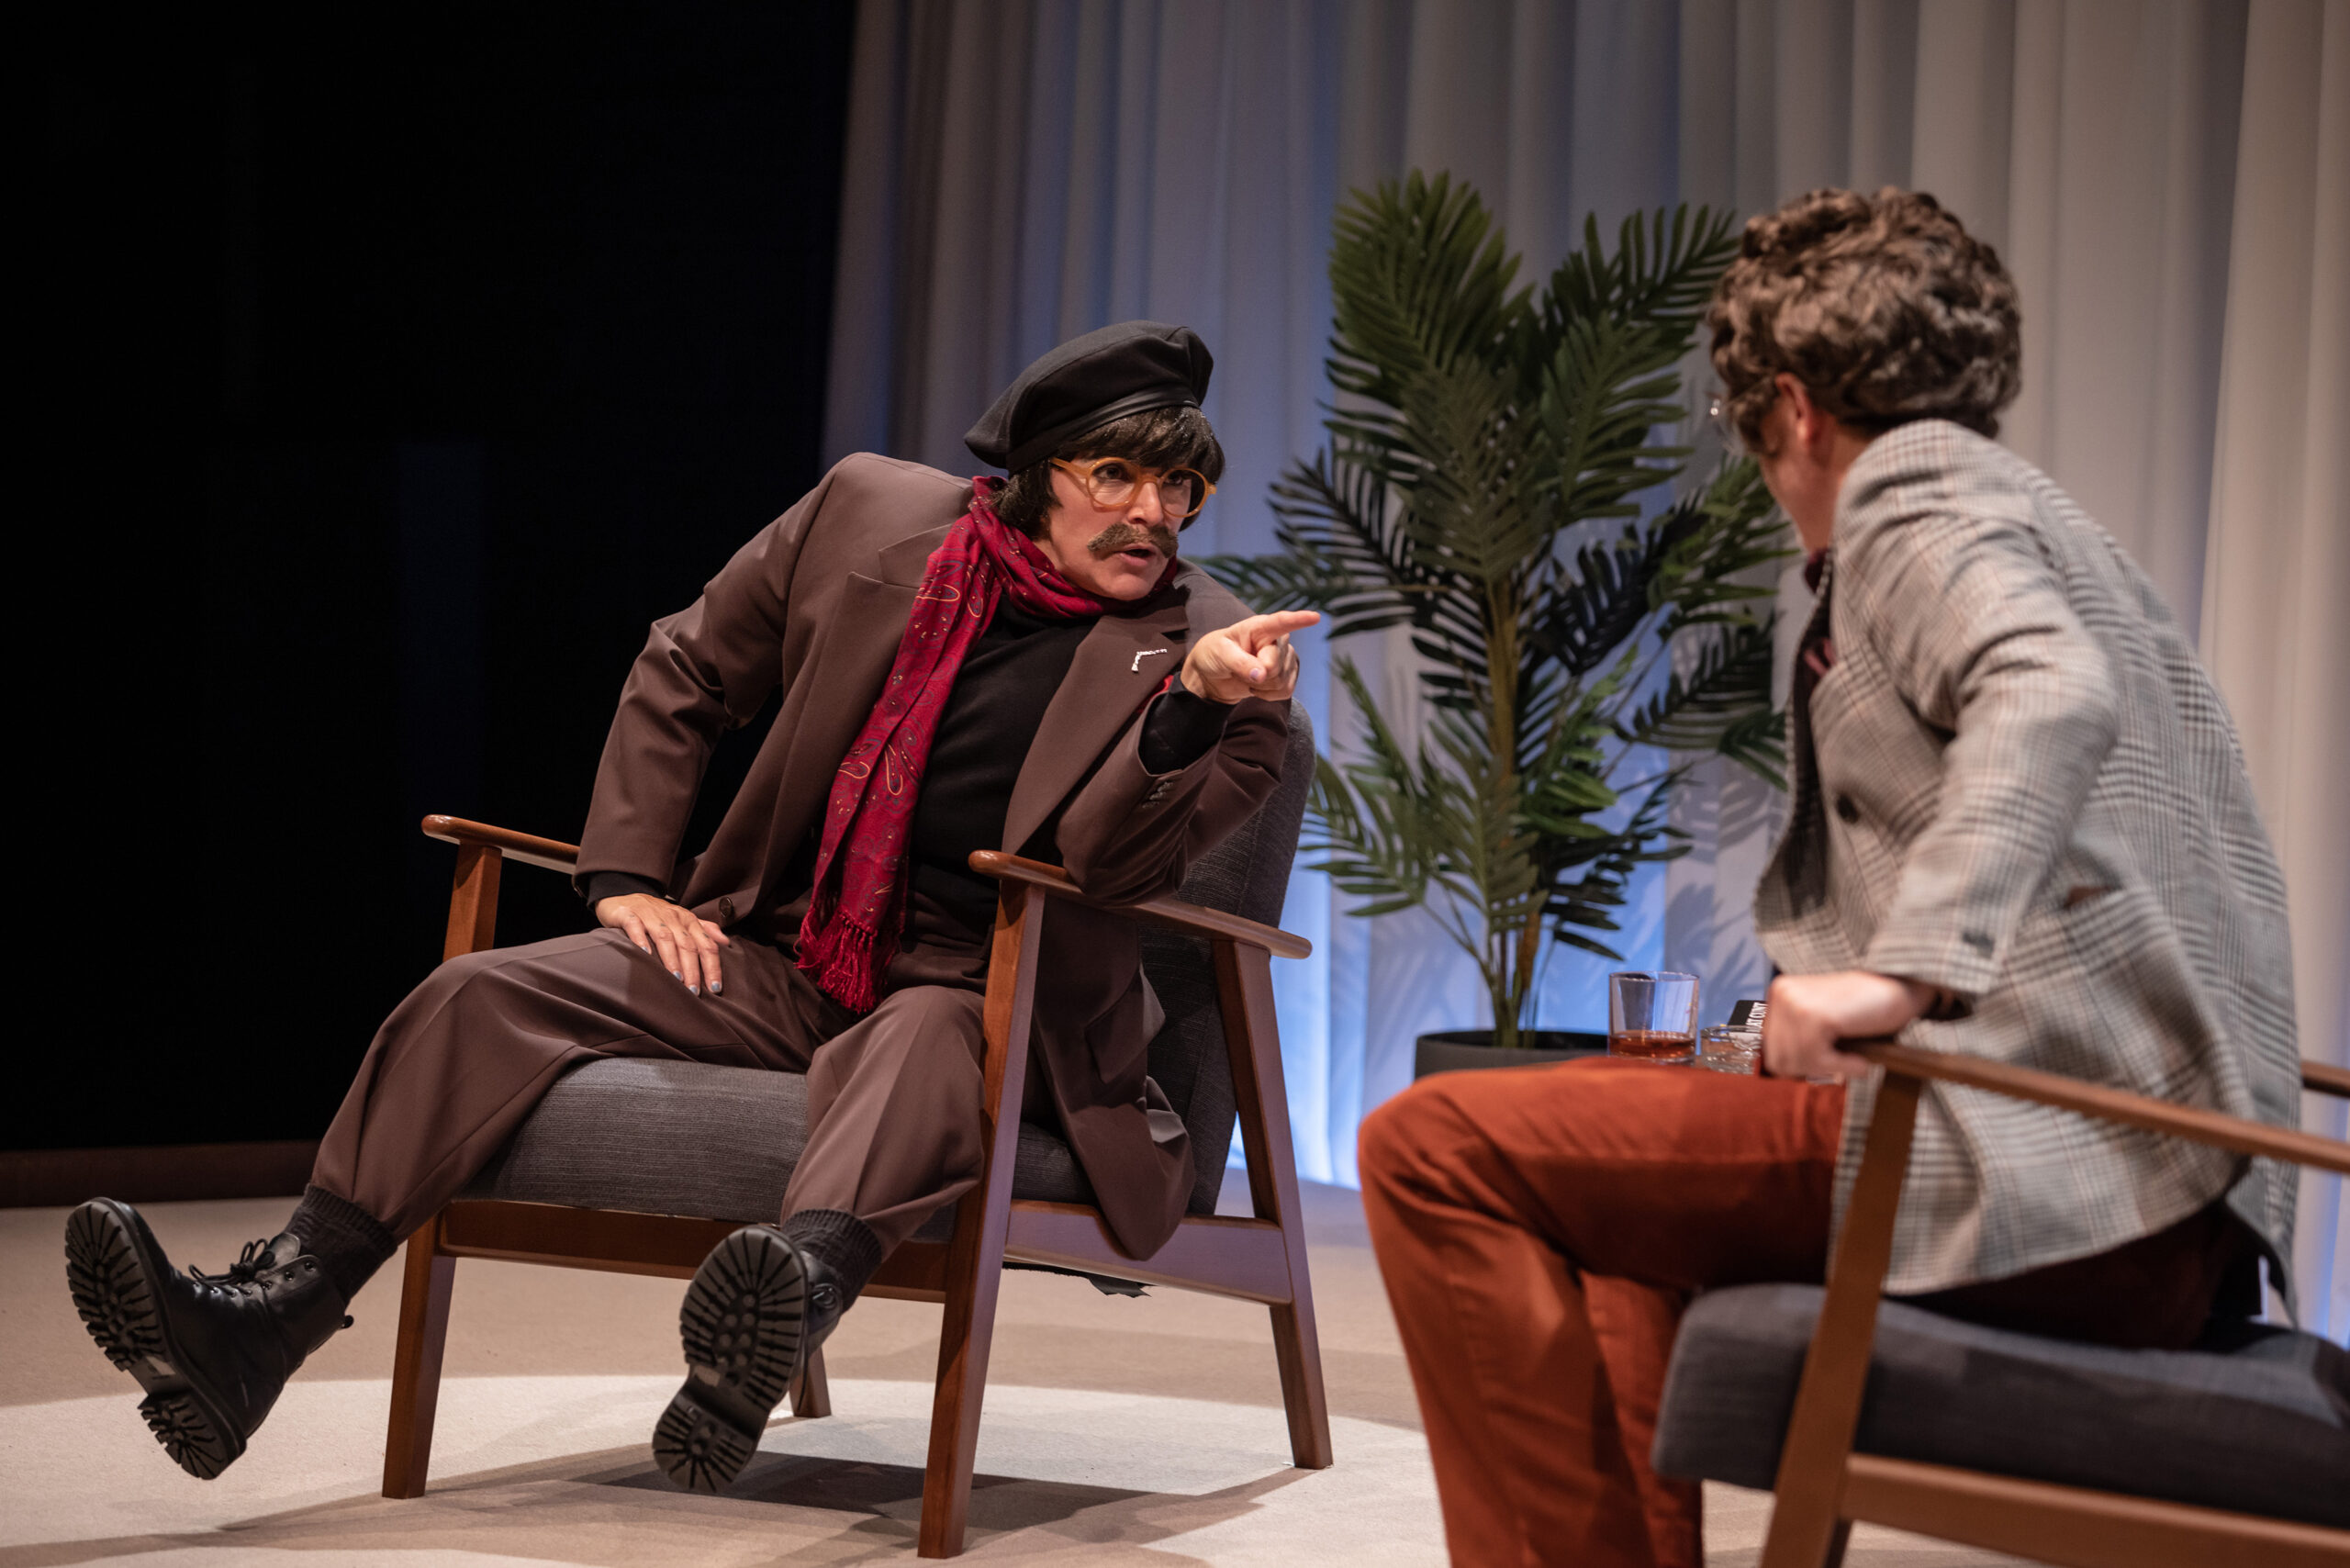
{"x": 394, "y": 377}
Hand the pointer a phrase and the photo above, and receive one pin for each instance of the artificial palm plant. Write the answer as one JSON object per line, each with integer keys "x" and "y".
{"x": 1488, "y": 455}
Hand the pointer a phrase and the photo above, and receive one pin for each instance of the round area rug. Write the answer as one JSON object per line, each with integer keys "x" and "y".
{"x": 557, "y": 1470}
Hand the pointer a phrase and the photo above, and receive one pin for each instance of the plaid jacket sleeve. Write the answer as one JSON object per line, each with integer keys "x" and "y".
{"x": 1973, "y": 627}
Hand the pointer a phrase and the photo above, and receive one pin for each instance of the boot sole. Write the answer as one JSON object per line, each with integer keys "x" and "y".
{"x": 742, "y": 1327}
{"x": 111, "y": 1267}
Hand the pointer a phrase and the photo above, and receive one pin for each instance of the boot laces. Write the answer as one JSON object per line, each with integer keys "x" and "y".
{"x": 244, "y": 1271}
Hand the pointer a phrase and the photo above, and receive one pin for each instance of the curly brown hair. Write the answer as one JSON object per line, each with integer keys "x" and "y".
{"x": 1884, "y": 307}
{"x": 1156, "y": 437}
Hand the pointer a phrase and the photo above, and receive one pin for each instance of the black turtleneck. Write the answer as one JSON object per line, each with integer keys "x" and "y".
{"x": 1001, "y": 694}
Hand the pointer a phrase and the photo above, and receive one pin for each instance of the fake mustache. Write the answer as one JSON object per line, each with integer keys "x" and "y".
{"x": 1126, "y": 535}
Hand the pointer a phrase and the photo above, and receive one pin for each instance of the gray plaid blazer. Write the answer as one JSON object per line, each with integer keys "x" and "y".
{"x": 2017, "y": 783}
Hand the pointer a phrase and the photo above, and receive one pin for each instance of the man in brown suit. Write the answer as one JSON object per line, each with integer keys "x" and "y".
{"x": 963, "y": 665}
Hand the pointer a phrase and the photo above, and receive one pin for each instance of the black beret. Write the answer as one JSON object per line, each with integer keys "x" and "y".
{"x": 1086, "y": 383}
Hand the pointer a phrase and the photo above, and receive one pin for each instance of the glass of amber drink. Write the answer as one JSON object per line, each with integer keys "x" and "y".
{"x": 1652, "y": 1015}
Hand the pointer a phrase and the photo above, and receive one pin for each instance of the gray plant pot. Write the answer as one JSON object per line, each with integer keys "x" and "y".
{"x": 1465, "y": 1050}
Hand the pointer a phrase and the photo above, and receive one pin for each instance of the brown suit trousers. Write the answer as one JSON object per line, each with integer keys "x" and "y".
{"x": 893, "y": 1098}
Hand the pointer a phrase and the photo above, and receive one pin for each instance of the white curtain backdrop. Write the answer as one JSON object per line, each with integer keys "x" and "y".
{"x": 2168, "y": 180}
{"x": 2277, "y": 572}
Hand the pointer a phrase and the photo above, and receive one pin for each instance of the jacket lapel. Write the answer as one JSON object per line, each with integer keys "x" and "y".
{"x": 1122, "y": 661}
{"x": 860, "y": 643}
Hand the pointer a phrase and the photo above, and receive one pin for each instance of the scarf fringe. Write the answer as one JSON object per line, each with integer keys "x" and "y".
{"x": 839, "y": 954}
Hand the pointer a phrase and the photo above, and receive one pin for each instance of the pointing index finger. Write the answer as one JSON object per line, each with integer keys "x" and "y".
{"x": 1258, "y": 631}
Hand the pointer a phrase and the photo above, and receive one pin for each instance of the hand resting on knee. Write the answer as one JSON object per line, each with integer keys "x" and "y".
{"x": 686, "y": 944}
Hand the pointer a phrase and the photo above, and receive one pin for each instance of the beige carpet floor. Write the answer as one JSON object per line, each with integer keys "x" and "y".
{"x": 1117, "y": 1431}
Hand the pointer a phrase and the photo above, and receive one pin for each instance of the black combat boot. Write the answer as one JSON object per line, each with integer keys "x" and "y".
{"x": 211, "y": 1350}
{"x": 762, "y": 1300}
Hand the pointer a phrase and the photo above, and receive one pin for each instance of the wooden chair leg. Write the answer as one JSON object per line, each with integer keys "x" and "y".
{"x": 975, "y": 1259}
{"x": 965, "y": 1342}
{"x": 1807, "y": 1515}
{"x": 1837, "y": 1543}
{"x": 1298, "y": 1352}
{"x": 814, "y": 1396}
{"x": 1245, "y": 979}
{"x": 416, "y": 1362}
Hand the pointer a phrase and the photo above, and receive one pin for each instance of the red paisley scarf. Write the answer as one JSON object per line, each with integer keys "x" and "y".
{"x": 859, "y": 901}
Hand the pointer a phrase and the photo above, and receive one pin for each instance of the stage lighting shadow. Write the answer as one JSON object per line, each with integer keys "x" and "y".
{"x": 847, "y": 1485}
{"x": 601, "y": 1511}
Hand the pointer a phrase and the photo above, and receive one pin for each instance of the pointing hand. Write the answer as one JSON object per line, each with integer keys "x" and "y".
{"x": 1247, "y": 659}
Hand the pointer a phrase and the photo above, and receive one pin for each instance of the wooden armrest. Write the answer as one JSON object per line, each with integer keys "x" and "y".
{"x": 556, "y": 855}
{"x": 1210, "y": 922}
{"x": 2111, "y": 1104}
{"x": 530, "y": 849}
{"x": 2325, "y": 1077}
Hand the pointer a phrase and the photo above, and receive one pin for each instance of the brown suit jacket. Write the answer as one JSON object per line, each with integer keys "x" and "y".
{"x": 816, "y": 603}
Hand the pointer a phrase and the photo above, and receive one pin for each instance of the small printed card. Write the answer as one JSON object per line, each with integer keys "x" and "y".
{"x": 1746, "y": 1016}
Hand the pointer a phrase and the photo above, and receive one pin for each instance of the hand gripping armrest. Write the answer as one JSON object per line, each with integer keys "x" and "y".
{"x": 1190, "y": 917}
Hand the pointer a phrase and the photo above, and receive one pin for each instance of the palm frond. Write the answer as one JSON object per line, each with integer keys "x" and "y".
{"x": 1343, "y": 551}
{"x": 1591, "y": 613}
{"x": 1466, "y": 510}
{"x": 1721, "y": 703}
{"x": 1711, "y": 566}
{"x": 1608, "y": 385}
{"x": 1420, "y": 278}
{"x": 1587, "y": 902}
{"x": 1377, "y": 822}
{"x": 1661, "y": 270}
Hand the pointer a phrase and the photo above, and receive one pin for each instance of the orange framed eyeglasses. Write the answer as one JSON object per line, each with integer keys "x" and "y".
{"x": 1113, "y": 481}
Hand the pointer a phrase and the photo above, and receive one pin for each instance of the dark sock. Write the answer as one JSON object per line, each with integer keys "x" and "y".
{"x": 840, "y": 1241}
{"x": 348, "y": 1243}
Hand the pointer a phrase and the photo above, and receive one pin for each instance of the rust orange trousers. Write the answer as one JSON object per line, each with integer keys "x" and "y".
{"x": 1541, "y": 1228}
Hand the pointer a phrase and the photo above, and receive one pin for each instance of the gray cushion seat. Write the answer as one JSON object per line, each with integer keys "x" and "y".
{"x": 682, "y": 1137}
{"x": 678, "y": 1137}
{"x": 2258, "y": 1424}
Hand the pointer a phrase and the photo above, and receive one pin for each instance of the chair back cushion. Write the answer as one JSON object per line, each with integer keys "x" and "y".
{"x": 2257, "y": 1422}
{"x": 1247, "y": 875}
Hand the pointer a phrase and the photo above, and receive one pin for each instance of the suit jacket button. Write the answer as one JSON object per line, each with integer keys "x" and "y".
{"x": 1846, "y": 811}
{"x": 725, "y": 911}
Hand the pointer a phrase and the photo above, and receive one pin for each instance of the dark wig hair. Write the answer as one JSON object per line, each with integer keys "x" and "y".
{"x": 1884, "y": 307}
{"x": 1156, "y": 437}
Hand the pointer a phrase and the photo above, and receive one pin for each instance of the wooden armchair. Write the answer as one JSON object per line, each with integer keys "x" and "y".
{"x": 2256, "y": 1429}
{"x": 1259, "y": 1259}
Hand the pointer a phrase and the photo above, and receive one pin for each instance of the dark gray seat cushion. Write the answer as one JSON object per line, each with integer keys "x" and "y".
{"x": 682, "y": 1137}
{"x": 719, "y": 1142}
{"x": 2260, "y": 1425}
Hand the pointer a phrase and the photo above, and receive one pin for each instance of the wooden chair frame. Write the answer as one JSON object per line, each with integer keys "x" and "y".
{"x": 1259, "y": 1259}
{"x": 1823, "y": 1487}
